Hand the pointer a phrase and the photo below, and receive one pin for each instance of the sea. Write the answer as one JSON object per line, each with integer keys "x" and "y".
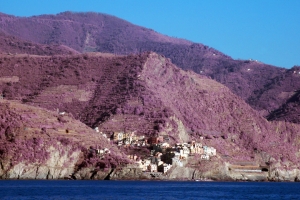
{"x": 70, "y": 189}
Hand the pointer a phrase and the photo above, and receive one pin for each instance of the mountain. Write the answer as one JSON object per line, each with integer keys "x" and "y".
{"x": 12, "y": 45}
{"x": 83, "y": 31}
{"x": 89, "y": 32}
{"x": 149, "y": 95}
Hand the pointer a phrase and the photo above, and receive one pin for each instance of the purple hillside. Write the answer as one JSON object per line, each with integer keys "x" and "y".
{"x": 148, "y": 94}
{"x": 263, "y": 86}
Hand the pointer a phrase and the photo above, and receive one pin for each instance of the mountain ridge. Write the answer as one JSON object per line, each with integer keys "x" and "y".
{"x": 88, "y": 32}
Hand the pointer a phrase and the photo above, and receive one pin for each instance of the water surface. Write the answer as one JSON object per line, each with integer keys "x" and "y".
{"x": 58, "y": 190}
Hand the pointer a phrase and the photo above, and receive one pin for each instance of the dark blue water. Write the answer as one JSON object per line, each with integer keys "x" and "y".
{"x": 146, "y": 190}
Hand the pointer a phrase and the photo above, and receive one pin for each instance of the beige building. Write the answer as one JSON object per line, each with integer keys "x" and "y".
{"x": 118, "y": 136}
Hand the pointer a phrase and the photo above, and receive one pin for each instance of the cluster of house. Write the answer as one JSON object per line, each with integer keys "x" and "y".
{"x": 129, "y": 139}
{"x": 163, "y": 156}
{"x": 151, "y": 164}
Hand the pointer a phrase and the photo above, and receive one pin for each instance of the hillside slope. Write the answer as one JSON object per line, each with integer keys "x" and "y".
{"x": 39, "y": 144}
{"x": 89, "y": 32}
{"x": 279, "y": 90}
{"x": 288, "y": 111}
{"x": 149, "y": 95}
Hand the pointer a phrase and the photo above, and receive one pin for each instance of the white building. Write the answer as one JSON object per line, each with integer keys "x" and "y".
{"x": 166, "y": 167}
{"x": 204, "y": 157}
{"x": 152, "y": 168}
{"x": 210, "y": 151}
{"x": 186, "y": 150}
{"x": 120, "y": 143}
{"x": 165, "y": 145}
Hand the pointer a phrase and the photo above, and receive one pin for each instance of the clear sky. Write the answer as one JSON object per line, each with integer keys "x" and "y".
{"x": 265, "y": 30}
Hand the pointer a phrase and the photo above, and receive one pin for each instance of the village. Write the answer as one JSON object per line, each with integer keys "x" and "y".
{"x": 162, "y": 155}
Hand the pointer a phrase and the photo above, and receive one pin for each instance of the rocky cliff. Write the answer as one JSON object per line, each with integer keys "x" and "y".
{"x": 39, "y": 144}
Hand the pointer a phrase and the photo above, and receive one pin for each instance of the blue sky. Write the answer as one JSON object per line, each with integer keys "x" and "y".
{"x": 265, "y": 30}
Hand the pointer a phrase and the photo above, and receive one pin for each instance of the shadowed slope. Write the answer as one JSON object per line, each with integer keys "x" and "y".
{"x": 13, "y": 45}
{"x": 278, "y": 91}
{"x": 289, "y": 111}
